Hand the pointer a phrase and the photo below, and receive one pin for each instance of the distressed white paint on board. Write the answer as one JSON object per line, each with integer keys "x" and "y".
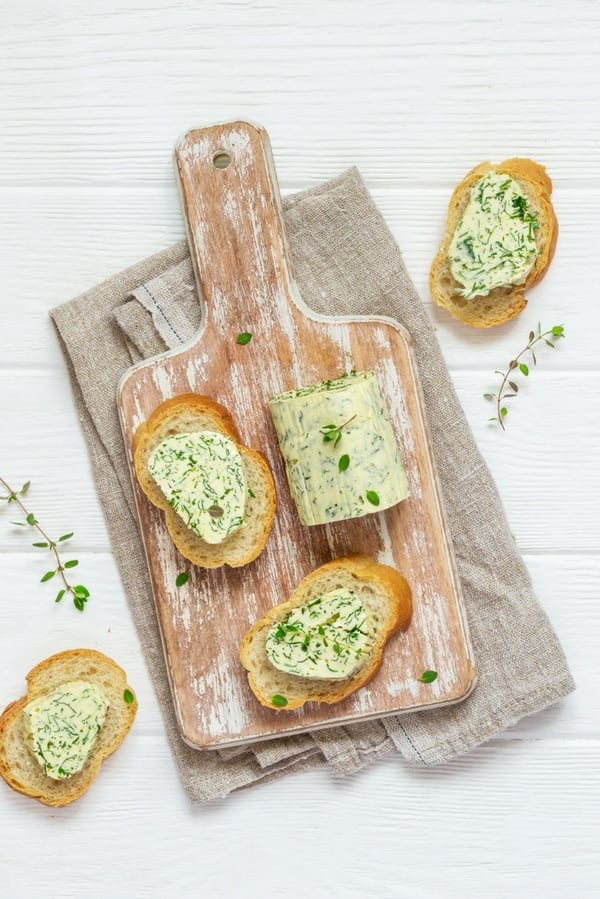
{"x": 234, "y": 284}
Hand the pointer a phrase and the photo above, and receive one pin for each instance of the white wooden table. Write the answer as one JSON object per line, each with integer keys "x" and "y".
{"x": 93, "y": 96}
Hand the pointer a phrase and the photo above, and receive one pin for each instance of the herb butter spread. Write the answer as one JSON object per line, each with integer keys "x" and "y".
{"x": 326, "y": 638}
{"x": 202, "y": 476}
{"x": 494, "y": 244}
{"x": 340, "y": 452}
{"x": 62, "y": 727}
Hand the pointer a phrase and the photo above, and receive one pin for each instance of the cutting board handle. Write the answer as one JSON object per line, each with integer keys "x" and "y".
{"x": 232, "y": 209}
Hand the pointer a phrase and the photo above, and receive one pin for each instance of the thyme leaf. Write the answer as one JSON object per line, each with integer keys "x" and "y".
{"x": 279, "y": 701}
{"x": 333, "y": 432}
{"x": 518, "y": 365}
{"x": 79, "y": 593}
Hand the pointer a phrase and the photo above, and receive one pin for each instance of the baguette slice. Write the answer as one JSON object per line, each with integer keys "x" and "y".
{"x": 502, "y": 303}
{"x": 384, "y": 592}
{"x": 19, "y": 767}
{"x": 192, "y": 412}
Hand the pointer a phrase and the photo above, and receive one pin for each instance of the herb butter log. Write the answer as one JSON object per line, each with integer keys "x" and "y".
{"x": 327, "y": 640}
{"x": 499, "y": 241}
{"x": 341, "y": 456}
{"x": 218, "y": 495}
{"x": 78, "y": 710}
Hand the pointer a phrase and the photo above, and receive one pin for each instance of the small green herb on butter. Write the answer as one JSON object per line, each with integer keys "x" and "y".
{"x": 62, "y": 727}
{"x": 202, "y": 476}
{"x": 494, "y": 244}
{"x": 333, "y": 432}
{"x": 327, "y": 637}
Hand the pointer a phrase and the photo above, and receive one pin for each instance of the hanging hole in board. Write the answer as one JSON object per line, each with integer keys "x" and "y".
{"x": 221, "y": 160}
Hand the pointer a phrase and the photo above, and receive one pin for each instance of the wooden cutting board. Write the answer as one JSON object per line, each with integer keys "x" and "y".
{"x": 237, "y": 240}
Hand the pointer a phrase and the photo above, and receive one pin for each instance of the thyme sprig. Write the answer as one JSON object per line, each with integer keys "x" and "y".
{"x": 334, "y": 432}
{"x": 508, "y": 387}
{"x": 79, "y": 593}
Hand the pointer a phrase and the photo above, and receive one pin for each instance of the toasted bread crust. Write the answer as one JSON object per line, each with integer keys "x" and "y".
{"x": 361, "y": 571}
{"x": 20, "y": 769}
{"x": 200, "y": 412}
{"x": 503, "y": 303}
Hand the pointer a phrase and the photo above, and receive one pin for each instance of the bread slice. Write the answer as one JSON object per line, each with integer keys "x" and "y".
{"x": 383, "y": 591}
{"x": 502, "y": 303}
{"x": 19, "y": 767}
{"x": 188, "y": 413}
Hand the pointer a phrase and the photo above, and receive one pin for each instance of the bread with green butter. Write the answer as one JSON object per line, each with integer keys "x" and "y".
{"x": 385, "y": 595}
{"x": 187, "y": 414}
{"x": 534, "y": 206}
{"x": 19, "y": 766}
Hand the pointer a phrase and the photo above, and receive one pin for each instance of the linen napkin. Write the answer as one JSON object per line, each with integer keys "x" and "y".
{"x": 346, "y": 261}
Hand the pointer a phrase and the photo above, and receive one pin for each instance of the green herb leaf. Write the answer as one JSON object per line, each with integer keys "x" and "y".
{"x": 128, "y": 696}
{"x": 517, "y": 363}
{"x": 373, "y": 497}
{"x": 251, "y": 493}
{"x": 344, "y": 462}
{"x": 244, "y": 338}
{"x": 279, "y": 701}
{"x": 80, "y": 594}
{"x": 181, "y": 579}
{"x": 428, "y": 677}
{"x": 334, "y": 432}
